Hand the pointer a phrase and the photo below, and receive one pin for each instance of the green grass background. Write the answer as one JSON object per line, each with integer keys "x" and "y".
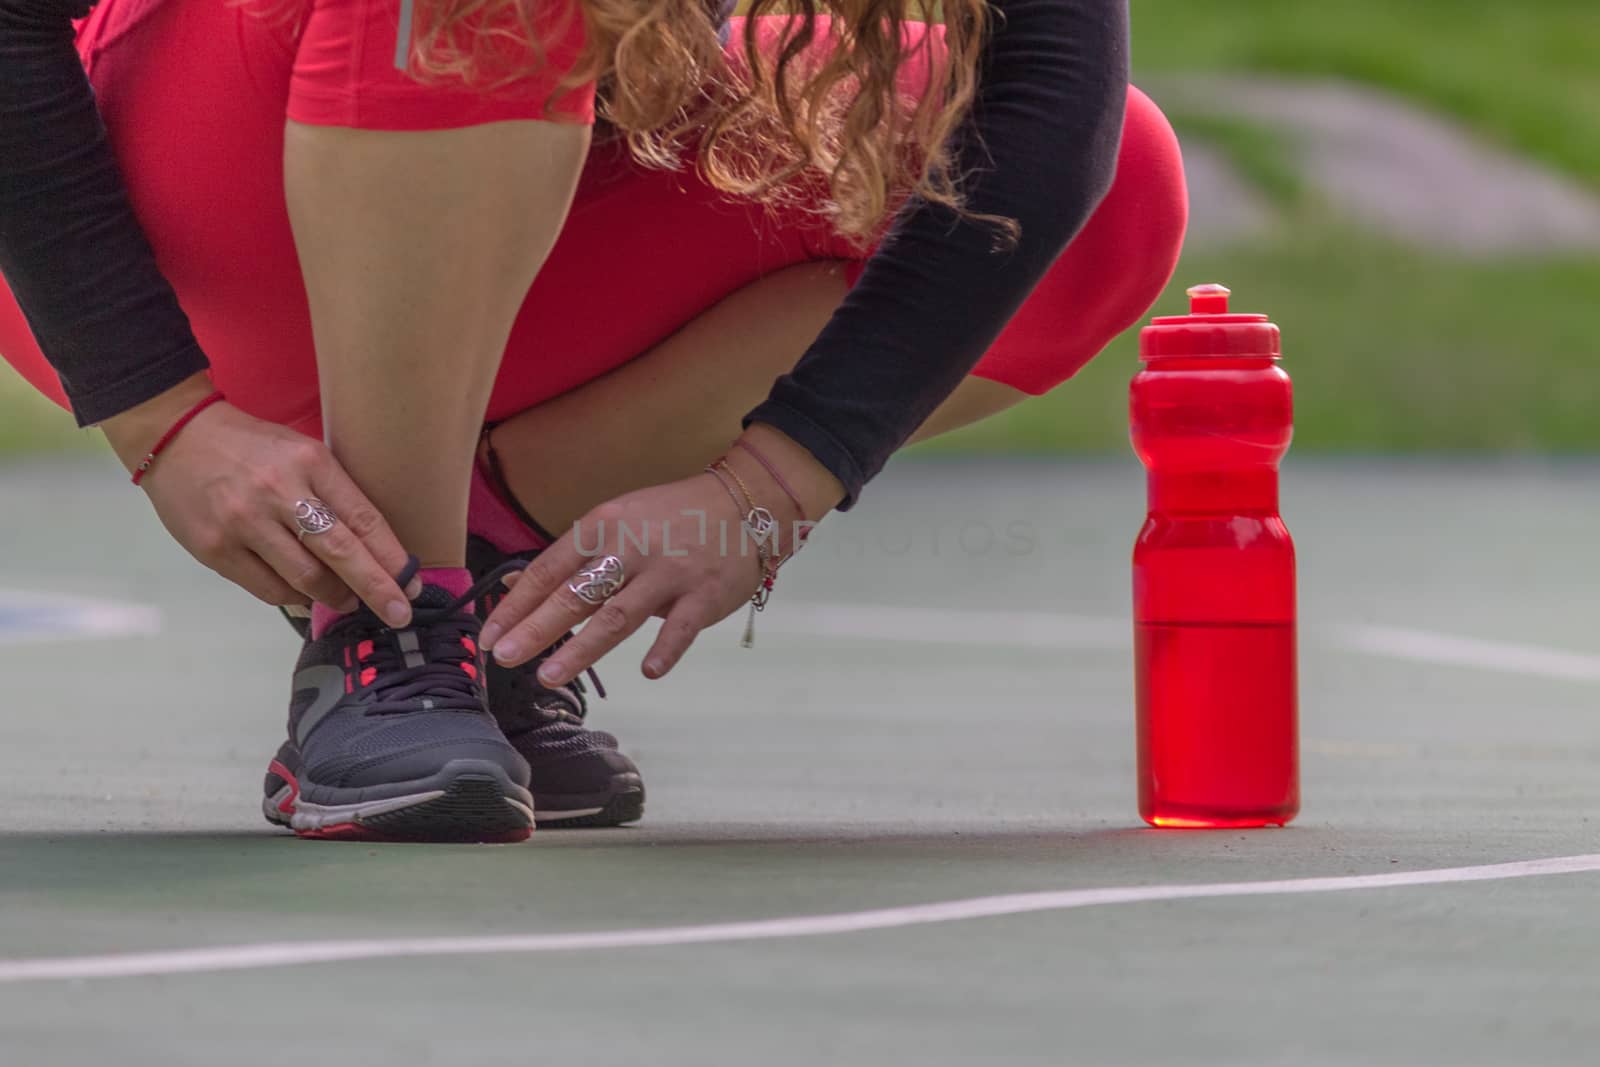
{"x": 31, "y": 424}
{"x": 1391, "y": 348}
{"x": 1522, "y": 72}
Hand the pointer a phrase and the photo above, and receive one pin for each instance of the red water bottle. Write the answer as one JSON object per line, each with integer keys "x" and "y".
{"x": 1213, "y": 572}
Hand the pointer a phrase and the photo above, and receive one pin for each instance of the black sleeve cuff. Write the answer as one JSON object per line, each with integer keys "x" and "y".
{"x": 151, "y": 380}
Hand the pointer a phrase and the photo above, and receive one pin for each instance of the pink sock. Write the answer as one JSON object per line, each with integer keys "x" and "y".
{"x": 322, "y": 617}
{"x": 494, "y": 520}
{"x": 453, "y": 580}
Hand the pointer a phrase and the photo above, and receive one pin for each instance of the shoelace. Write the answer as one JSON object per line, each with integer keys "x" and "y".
{"x": 438, "y": 683}
{"x": 579, "y": 692}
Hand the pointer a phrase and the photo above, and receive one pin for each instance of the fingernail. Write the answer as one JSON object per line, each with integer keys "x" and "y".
{"x": 398, "y": 613}
{"x": 492, "y": 632}
{"x": 653, "y": 668}
{"x": 414, "y": 588}
{"x": 550, "y": 674}
{"x": 511, "y": 579}
{"x": 348, "y": 607}
{"x": 508, "y": 652}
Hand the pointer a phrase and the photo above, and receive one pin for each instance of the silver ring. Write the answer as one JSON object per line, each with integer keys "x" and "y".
{"x": 599, "y": 581}
{"x": 313, "y": 517}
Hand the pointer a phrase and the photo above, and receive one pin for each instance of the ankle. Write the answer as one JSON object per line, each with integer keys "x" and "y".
{"x": 493, "y": 511}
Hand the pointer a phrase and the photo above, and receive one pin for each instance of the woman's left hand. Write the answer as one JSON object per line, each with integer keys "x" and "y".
{"x": 685, "y": 557}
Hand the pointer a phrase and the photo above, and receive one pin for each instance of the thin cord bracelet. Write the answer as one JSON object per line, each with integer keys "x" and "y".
{"x": 772, "y": 470}
{"x": 803, "y": 526}
{"x": 166, "y": 439}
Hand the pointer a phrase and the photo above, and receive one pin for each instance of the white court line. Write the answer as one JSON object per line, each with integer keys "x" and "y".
{"x": 1425, "y": 646}
{"x": 291, "y": 953}
{"x": 63, "y": 617}
{"x": 89, "y": 618}
{"x": 1038, "y": 629}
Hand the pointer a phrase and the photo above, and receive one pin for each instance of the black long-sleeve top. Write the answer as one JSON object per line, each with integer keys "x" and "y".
{"x": 1040, "y": 147}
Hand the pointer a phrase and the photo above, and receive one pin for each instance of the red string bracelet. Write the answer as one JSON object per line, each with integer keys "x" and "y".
{"x": 166, "y": 439}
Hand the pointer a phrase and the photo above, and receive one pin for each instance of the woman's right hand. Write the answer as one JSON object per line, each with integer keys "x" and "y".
{"x": 226, "y": 489}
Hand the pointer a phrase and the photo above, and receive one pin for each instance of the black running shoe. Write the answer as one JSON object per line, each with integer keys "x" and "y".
{"x": 579, "y": 777}
{"x": 390, "y": 737}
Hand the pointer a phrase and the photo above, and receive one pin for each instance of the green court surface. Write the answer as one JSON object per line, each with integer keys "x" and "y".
{"x": 938, "y": 709}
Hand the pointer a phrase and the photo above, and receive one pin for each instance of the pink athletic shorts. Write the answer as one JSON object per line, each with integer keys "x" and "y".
{"x": 195, "y": 94}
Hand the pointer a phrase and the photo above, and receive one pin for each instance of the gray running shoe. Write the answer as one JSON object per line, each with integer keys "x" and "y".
{"x": 390, "y": 736}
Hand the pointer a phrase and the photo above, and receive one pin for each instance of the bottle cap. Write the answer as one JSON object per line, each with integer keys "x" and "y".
{"x": 1209, "y": 329}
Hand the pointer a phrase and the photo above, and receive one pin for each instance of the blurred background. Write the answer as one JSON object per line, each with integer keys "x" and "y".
{"x": 1411, "y": 188}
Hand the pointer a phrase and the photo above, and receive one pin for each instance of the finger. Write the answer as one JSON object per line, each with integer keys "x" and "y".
{"x": 611, "y": 624}
{"x": 548, "y": 623}
{"x": 346, "y": 555}
{"x": 683, "y": 624}
{"x": 362, "y": 518}
{"x": 549, "y": 571}
{"x": 250, "y": 573}
{"x": 278, "y": 548}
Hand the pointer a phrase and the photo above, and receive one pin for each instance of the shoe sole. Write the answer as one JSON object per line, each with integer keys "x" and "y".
{"x": 622, "y": 803}
{"x": 467, "y": 801}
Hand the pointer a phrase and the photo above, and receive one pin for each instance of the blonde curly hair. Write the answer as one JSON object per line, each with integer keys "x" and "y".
{"x": 817, "y": 99}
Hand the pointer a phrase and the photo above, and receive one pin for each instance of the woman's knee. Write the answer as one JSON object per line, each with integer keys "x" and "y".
{"x": 1113, "y": 271}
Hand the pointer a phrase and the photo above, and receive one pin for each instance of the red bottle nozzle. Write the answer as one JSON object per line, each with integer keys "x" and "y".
{"x": 1210, "y": 299}
{"x": 1209, "y": 329}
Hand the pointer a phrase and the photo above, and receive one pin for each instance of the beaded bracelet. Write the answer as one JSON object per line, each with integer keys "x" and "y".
{"x": 166, "y": 439}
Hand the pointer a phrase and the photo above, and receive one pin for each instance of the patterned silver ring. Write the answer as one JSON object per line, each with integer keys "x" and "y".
{"x": 313, "y": 517}
{"x": 599, "y": 581}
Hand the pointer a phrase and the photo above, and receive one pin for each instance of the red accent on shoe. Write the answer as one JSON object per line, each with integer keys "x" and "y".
{"x": 286, "y": 805}
{"x": 354, "y": 831}
{"x": 368, "y": 675}
{"x": 469, "y": 644}
{"x": 345, "y": 831}
{"x": 363, "y": 650}
{"x": 349, "y": 684}
{"x": 472, "y": 671}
